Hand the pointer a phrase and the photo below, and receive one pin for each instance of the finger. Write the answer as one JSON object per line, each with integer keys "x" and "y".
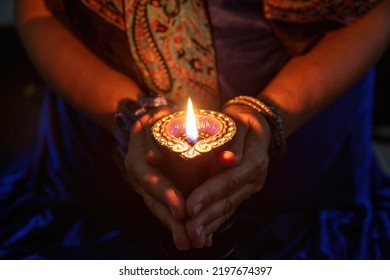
{"x": 177, "y": 228}
{"x": 212, "y": 217}
{"x": 156, "y": 185}
{"x": 203, "y": 241}
{"x": 153, "y": 153}
{"x": 225, "y": 183}
{"x": 149, "y": 178}
{"x": 198, "y": 243}
{"x": 233, "y": 155}
{"x": 209, "y": 241}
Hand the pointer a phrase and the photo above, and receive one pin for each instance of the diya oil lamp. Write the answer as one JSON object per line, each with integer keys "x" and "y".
{"x": 191, "y": 142}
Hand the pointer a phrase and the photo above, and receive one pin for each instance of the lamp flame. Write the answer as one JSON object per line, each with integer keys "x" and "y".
{"x": 191, "y": 129}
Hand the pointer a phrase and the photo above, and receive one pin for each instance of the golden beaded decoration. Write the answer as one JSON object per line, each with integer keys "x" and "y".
{"x": 214, "y": 129}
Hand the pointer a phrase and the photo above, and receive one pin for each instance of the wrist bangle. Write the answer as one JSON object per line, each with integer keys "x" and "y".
{"x": 277, "y": 145}
{"x": 132, "y": 111}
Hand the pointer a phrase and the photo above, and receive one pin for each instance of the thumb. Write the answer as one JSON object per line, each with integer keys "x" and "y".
{"x": 232, "y": 156}
{"x": 154, "y": 155}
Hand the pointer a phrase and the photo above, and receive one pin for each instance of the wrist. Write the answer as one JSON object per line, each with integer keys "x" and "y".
{"x": 271, "y": 121}
{"x": 130, "y": 113}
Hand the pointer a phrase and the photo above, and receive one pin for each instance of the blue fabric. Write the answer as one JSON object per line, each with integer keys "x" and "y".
{"x": 68, "y": 200}
{"x": 327, "y": 199}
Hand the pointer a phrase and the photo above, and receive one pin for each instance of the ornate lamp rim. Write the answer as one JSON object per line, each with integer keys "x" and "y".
{"x": 184, "y": 148}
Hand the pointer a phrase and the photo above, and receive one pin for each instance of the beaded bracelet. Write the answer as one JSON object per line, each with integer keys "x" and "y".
{"x": 277, "y": 146}
{"x": 132, "y": 111}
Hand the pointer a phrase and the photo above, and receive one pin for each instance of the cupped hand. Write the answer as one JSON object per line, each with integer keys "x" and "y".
{"x": 214, "y": 202}
{"x": 161, "y": 197}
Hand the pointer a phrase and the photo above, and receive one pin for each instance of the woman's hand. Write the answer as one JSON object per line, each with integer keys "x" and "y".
{"x": 214, "y": 202}
{"x": 165, "y": 201}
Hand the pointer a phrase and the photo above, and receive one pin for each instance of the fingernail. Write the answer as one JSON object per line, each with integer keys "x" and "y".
{"x": 199, "y": 243}
{"x": 197, "y": 209}
{"x": 180, "y": 248}
{"x": 227, "y": 158}
{"x": 209, "y": 241}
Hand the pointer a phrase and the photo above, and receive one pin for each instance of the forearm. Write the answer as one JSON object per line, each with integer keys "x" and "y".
{"x": 310, "y": 82}
{"x": 73, "y": 71}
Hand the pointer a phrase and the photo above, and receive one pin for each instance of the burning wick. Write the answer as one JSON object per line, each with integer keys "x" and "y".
{"x": 191, "y": 129}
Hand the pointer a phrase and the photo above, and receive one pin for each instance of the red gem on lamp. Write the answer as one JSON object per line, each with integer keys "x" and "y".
{"x": 197, "y": 133}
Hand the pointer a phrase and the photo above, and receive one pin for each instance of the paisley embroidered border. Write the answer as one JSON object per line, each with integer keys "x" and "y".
{"x": 316, "y": 10}
{"x": 111, "y": 11}
{"x": 172, "y": 45}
